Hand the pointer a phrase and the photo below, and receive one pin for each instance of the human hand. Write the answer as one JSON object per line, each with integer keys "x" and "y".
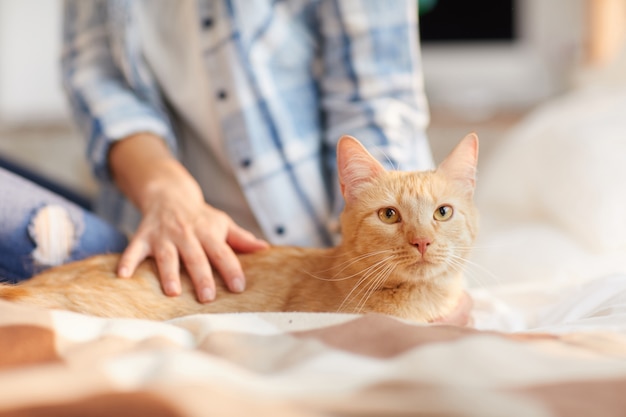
{"x": 462, "y": 313}
{"x": 177, "y": 224}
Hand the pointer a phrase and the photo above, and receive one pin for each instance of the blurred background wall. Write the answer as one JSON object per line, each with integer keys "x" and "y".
{"x": 36, "y": 133}
{"x": 480, "y": 81}
{"x": 481, "y": 56}
{"x": 29, "y": 53}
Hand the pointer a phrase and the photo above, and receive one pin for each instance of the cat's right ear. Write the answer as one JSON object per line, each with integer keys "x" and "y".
{"x": 355, "y": 166}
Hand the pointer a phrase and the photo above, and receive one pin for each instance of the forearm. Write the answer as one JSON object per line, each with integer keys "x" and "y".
{"x": 143, "y": 168}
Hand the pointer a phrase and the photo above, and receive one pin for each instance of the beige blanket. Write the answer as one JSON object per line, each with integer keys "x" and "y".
{"x": 55, "y": 363}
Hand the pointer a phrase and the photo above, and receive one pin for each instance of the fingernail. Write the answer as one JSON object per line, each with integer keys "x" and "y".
{"x": 238, "y": 284}
{"x": 207, "y": 294}
{"x": 123, "y": 272}
{"x": 172, "y": 288}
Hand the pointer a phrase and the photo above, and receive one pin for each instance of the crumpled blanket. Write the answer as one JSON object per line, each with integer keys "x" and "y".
{"x": 56, "y": 363}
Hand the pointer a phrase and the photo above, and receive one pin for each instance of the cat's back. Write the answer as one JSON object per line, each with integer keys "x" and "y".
{"x": 271, "y": 263}
{"x": 91, "y": 286}
{"x": 281, "y": 260}
{"x": 94, "y": 268}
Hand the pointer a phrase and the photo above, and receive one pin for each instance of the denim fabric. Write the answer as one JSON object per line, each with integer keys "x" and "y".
{"x": 20, "y": 201}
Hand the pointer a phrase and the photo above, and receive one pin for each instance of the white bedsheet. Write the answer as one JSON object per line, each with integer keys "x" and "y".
{"x": 552, "y": 251}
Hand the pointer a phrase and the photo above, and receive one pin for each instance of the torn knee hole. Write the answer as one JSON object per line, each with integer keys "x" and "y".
{"x": 53, "y": 233}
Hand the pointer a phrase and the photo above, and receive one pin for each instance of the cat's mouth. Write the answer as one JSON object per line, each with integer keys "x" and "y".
{"x": 423, "y": 262}
{"x": 417, "y": 262}
{"x": 429, "y": 260}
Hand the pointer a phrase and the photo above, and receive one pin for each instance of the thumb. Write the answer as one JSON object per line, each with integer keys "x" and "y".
{"x": 243, "y": 241}
{"x": 132, "y": 256}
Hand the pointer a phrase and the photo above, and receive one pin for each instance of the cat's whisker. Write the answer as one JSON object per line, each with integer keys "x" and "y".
{"x": 343, "y": 254}
{"x": 472, "y": 275}
{"x": 471, "y": 264}
{"x": 335, "y": 278}
{"x": 362, "y": 279}
{"x": 459, "y": 267}
{"x": 346, "y": 265}
{"x": 367, "y": 289}
{"x": 391, "y": 163}
{"x": 471, "y": 247}
{"x": 363, "y": 255}
{"x": 367, "y": 273}
{"x": 365, "y": 293}
{"x": 376, "y": 285}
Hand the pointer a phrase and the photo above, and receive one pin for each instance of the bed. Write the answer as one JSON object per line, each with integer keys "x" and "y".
{"x": 548, "y": 277}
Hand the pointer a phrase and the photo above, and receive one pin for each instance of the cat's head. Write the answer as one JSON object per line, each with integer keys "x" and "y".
{"x": 424, "y": 222}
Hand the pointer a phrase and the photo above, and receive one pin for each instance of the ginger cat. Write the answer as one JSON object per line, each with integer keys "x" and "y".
{"x": 405, "y": 238}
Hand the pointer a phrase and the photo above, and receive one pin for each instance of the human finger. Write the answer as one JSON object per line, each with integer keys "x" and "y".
{"x": 136, "y": 251}
{"x": 241, "y": 240}
{"x": 166, "y": 257}
{"x": 197, "y": 265}
{"x": 222, "y": 257}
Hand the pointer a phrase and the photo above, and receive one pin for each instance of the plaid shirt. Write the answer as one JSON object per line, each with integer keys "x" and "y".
{"x": 298, "y": 75}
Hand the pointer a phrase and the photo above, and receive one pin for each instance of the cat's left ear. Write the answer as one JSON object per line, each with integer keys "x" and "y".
{"x": 460, "y": 164}
{"x": 355, "y": 166}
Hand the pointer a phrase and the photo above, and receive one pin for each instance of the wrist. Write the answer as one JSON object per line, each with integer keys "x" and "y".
{"x": 146, "y": 172}
{"x": 167, "y": 180}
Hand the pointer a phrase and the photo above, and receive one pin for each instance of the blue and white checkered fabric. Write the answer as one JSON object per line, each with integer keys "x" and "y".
{"x": 291, "y": 77}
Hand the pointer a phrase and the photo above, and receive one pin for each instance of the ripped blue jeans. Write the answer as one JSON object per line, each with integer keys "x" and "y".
{"x": 39, "y": 229}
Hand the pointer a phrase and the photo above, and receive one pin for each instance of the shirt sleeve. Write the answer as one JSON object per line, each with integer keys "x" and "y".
{"x": 107, "y": 102}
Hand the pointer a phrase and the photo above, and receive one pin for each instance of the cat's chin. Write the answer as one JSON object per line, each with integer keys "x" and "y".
{"x": 426, "y": 269}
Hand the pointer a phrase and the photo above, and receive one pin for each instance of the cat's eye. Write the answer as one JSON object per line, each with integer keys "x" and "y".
{"x": 443, "y": 213}
{"x": 389, "y": 215}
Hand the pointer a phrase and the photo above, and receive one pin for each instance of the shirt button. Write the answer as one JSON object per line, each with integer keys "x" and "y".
{"x": 222, "y": 94}
{"x": 280, "y": 230}
{"x": 246, "y": 163}
{"x": 207, "y": 22}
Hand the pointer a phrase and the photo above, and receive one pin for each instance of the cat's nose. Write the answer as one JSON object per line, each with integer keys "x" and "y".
{"x": 421, "y": 244}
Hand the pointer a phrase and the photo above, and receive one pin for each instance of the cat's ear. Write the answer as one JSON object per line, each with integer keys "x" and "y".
{"x": 355, "y": 166}
{"x": 460, "y": 164}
